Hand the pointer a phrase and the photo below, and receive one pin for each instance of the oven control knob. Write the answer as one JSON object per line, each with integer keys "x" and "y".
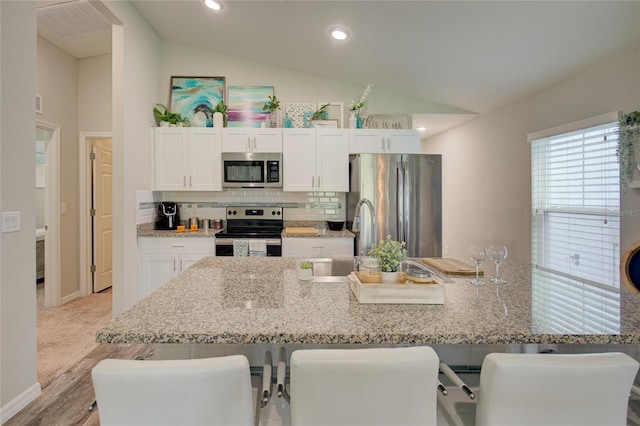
{"x": 278, "y": 213}
{"x": 273, "y": 212}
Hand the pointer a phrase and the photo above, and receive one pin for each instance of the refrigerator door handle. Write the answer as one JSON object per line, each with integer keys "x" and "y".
{"x": 405, "y": 205}
{"x": 400, "y": 201}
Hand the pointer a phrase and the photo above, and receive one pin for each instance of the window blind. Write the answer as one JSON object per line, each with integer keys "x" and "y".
{"x": 575, "y": 231}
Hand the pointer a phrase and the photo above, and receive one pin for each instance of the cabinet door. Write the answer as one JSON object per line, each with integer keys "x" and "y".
{"x": 205, "y": 169}
{"x": 299, "y": 158}
{"x": 332, "y": 160}
{"x": 367, "y": 141}
{"x": 403, "y": 142}
{"x": 236, "y": 140}
{"x": 156, "y": 270}
{"x": 170, "y": 158}
{"x": 267, "y": 140}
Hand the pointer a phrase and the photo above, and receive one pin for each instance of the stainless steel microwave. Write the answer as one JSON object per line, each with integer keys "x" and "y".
{"x": 251, "y": 170}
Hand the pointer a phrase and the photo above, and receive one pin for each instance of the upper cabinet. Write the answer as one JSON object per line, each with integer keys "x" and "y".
{"x": 316, "y": 160}
{"x": 247, "y": 139}
{"x": 187, "y": 159}
{"x": 379, "y": 141}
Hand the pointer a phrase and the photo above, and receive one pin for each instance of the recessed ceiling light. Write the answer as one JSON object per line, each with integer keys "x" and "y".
{"x": 213, "y": 4}
{"x": 421, "y": 129}
{"x": 339, "y": 33}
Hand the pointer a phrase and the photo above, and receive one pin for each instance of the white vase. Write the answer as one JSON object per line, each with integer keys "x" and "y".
{"x": 218, "y": 119}
{"x": 353, "y": 120}
{"x": 305, "y": 274}
{"x": 164, "y": 124}
{"x": 390, "y": 277}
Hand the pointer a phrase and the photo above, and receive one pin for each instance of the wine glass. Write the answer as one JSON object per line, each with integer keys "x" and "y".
{"x": 497, "y": 254}
{"x": 477, "y": 255}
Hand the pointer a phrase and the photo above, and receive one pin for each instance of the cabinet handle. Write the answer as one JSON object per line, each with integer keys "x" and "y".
{"x": 177, "y": 245}
{"x": 174, "y": 265}
{"x": 180, "y": 265}
{"x": 254, "y": 143}
{"x": 389, "y": 144}
{"x": 318, "y": 182}
{"x": 248, "y": 143}
{"x": 382, "y": 142}
{"x": 190, "y": 181}
{"x": 184, "y": 180}
{"x": 313, "y": 182}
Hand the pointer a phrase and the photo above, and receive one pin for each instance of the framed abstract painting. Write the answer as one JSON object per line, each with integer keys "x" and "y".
{"x": 196, "y": 97}
{"x": 245, "y": 105}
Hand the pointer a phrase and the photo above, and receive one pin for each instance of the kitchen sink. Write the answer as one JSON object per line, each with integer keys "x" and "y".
{"x": 332, "y": 269}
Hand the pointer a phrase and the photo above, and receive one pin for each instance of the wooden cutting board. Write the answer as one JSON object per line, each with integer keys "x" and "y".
{"x": 450, "y": 265}
{"x": 307, "y": 230}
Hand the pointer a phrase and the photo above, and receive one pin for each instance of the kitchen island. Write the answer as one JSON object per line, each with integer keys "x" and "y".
{"x": 259, "y": 301}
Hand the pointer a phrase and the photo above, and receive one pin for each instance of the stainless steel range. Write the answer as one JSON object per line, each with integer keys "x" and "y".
{"x": 259, "y": 226}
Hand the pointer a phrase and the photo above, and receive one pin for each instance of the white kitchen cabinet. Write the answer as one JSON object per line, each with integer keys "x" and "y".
{"x": 248, "y": 139}
{"x": 316, "y": 160}
{"x": 381, "y": 141}
{"x": 187, "y": 159}
{"x": 161, "y": 259}
{"x": 317, "y": 247}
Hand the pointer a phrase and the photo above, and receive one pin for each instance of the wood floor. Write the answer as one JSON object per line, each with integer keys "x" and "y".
{"x": 65, "y": 400}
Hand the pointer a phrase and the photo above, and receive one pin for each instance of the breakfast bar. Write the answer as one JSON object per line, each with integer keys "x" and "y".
{"x": 260, "y": 301}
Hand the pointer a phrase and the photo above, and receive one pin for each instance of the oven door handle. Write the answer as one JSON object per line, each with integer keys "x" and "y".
{"x": 229, "y": 241}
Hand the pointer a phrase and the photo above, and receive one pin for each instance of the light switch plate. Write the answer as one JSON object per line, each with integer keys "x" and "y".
{"x": 10, "y": 222}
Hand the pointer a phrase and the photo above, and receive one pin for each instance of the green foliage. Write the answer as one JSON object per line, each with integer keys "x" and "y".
{"x": 272, "y": 104}
{"x": 321, "y": 113}
{"x": 221, "y": 107}
{"x": 305, "y": 264}
{"x": 161, "y": 113}
{"x": 628, "y": 137}
{"x": 389, "y": 254}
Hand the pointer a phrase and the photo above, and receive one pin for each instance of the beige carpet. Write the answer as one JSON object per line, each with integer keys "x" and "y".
{"x": 66, "y": 334}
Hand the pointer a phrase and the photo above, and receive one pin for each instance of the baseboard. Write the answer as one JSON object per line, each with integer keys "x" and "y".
{"x": 70, "y": 297}
{"x": 18, "y": 403}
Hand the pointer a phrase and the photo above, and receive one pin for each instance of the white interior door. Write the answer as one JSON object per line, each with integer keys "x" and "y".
{"x": 102, "y": 219}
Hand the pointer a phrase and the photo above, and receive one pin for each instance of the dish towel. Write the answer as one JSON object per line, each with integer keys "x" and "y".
{"x": 240, "y": 248}
{"x": 257, "y": 248}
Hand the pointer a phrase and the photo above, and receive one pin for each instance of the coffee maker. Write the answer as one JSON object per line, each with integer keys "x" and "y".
{"x": 168, "y": 216}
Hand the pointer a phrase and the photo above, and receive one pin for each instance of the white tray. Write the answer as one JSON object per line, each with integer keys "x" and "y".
{"x": 432, "y": 294}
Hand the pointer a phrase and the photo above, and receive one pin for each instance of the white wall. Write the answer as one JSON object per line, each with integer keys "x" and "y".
{"x": 136, "y": 85}
{"x": 18, "y": 381}
{"x": 57, "y": 82}
{"x": 289, "y": 86}
{"x": 486, "y": 161}
{"x": 94, "y": 94}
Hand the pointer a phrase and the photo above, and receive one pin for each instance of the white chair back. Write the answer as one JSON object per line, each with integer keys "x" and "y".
{"x": 210, "y": 391}
{"x": 381, "y": 386}
{"x": 546, "y": 389}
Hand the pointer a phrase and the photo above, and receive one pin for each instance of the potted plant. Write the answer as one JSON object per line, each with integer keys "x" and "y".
{"x": 221, "y": 109}
{"x": 305, "y": 272}
{"x": 355, "y": 121}
{"x": 271, "y": 106}
{"x": 628, "y": 138}
{"x": 162, "y": 115}
{"x": 389, "y": 254}
{"x": 321, "y": 113}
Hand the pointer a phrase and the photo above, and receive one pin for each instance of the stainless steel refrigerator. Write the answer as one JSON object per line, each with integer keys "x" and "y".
{"x": 405, "y": 191}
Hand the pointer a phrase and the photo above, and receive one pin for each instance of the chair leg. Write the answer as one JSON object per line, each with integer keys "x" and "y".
{"x": 93, "y": 405}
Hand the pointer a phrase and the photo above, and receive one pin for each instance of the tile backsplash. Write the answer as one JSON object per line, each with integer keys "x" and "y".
{"x": 211, "y": 205}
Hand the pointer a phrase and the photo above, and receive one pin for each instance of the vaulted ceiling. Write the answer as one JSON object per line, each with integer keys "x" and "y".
{"x": 470, "y": 56}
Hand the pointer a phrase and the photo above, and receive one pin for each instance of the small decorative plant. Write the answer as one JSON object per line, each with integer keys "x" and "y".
{"x": 223, "y": 109}
{"x": 321, "y": 113}
{"x": 305, "y": 264}
{"x": 357, "y": 106}
{"x": 628, "y": 139}
{"x": 272, "y": 104}
{"x": 389, "y": 254}
{"x": 162, "y": 114}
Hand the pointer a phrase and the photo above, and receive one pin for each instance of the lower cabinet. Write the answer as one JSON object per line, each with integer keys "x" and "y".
{"x": 317, "y": 247}
{"x": 161, "y": 259}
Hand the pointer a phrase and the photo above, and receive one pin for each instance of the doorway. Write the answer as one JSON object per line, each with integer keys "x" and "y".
{"x": 96, "y": 229}
{"x": 47, "y": 153}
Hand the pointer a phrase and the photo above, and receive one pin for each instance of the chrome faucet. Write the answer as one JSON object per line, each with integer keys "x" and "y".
{"x": 356, "y": 224}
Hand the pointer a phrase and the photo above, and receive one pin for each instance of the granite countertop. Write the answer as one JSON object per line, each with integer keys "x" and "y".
{"x": 260, "y": 300}
{"x": 148, "y": 230}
